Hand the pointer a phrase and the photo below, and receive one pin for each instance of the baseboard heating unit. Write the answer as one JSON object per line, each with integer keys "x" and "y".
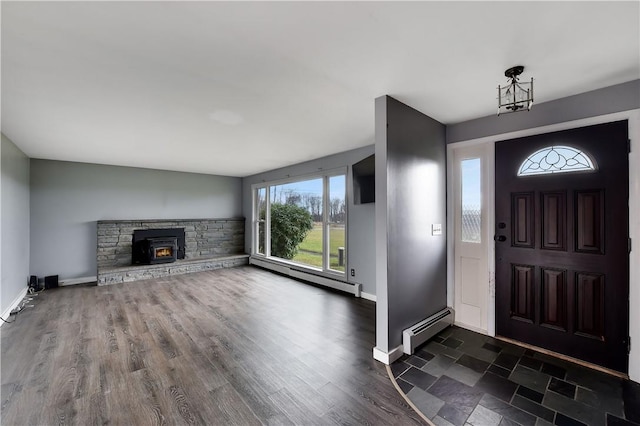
{"x": 292, "y": 272}
{"x": 414, "y": 336}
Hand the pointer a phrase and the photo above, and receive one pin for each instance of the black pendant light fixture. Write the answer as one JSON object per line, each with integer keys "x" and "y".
{"x": 516, "y": 96}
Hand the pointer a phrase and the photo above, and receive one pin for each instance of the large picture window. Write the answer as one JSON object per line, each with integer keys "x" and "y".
{"x": 302, "y": 221}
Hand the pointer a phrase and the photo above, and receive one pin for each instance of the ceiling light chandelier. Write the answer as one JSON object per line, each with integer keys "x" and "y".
{"x": 516, "y": 96}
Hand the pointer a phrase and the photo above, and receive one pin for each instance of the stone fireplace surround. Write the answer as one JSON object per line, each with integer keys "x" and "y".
{"x": 209, "y": 244}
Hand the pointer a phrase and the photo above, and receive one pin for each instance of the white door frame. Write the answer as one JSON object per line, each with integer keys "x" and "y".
{"x": 633, "y": 117}
{"x": 471, "y": 263}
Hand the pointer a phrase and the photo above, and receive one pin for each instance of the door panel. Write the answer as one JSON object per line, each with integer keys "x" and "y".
{"x": 470, "y": 270}
{"x": 523, "y": 293}
{"x": 554, "y": 298}
{"x": 590, "y": 301}
{"x": 562, "y": 261}
{"x": 522, "y": 213}
{"x": 589, "y": 221}
{"x": 554, "y": 220}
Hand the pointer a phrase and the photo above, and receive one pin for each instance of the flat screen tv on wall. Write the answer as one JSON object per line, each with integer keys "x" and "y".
{"x": 364, "y": 180}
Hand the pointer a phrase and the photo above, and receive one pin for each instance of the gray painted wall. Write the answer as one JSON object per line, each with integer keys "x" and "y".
{"x": 410, "y": 197}
{"x": 68, "y": 198}
{"x": 621, "y": 97}
{"x": 14, "y": 222}
{"x": 360, "y": 220}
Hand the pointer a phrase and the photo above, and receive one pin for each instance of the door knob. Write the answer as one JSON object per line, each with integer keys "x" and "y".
{"x": 500, "y": 238}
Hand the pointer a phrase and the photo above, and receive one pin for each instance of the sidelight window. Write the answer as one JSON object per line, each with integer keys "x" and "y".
{"x": 556, "y": 159}
{"x": 471, "y": 179}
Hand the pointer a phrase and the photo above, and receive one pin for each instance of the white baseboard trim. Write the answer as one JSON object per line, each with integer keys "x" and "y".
{"x": 14, "y": 304}
{"x": 81, "y": 280}
{"x": 470, "y": 327}
{"x": 387, "y": 358}
{"x": 368, "y": 296}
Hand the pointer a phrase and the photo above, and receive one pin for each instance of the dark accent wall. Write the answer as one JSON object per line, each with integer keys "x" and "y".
{"x": 621, "y": 97}
{"x": 410, "y": 197}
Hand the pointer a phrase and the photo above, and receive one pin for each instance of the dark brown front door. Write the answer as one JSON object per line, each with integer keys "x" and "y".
{"x": 562, "y": 260}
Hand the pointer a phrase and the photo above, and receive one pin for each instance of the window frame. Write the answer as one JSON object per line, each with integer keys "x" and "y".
{"x": 325, "y": 175}
{"x": 255, "y": 229}
{"x": 462, "y": 199}
{"x": 327, "y": 223}
{"x": 590, "y": 167}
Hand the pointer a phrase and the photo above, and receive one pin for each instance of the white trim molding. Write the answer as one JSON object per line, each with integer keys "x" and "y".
{"x": 368, "y": 296}
{"x": 387, "y": 358}
{"x": 5, "y": 315}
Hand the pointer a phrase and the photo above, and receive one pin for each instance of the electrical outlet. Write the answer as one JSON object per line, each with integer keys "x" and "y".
{"x": 353, "y": 272}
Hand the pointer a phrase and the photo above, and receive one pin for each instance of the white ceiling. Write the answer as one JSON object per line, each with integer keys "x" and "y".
{"x": 236, "y": 88}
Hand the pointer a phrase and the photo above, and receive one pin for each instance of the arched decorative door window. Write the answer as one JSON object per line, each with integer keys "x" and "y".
{"x": 557, "y": 159}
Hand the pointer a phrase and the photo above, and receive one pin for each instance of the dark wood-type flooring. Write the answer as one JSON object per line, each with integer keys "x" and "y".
{"x": 232, "y": 346}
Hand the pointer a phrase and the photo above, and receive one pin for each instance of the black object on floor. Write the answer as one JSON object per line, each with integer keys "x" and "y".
{"x": 51, "y": 281}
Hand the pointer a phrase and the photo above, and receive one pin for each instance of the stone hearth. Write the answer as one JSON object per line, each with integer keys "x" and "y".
{"x": 210, "y": 244}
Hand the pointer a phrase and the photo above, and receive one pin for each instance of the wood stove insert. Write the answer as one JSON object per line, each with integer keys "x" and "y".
{"x": 151, "y": 246}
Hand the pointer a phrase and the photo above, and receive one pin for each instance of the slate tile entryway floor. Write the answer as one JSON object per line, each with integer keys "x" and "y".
{"x": 464, "y": 378}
